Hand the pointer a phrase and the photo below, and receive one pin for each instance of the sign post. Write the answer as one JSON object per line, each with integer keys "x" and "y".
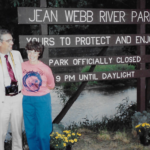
{"x": 141, "y": 82}
{"x": 44, "y": 31}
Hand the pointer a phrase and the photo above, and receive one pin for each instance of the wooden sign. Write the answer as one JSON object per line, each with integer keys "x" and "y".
{"x": 45, "y": 16}
{"x": 93, "y": 60}
{"x": 56, "y": 41}
{"x": 34, "y": 15}
{"x": 96, "y": 76}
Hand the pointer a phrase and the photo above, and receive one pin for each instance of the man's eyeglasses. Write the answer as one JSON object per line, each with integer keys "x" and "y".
{"x": 8, "y": 41}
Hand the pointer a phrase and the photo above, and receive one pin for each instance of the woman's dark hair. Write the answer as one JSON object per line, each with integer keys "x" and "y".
{"x": 37, "y": 46}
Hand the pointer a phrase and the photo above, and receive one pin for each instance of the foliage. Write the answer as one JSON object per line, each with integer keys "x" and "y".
{"x": 71, "y": 87}
{"x": 93, "y": 3}
{"x": 9, "y": 19}
{"x": 143, "y": 131}
{"x": 109, "y": 68}
{"x": 24, "y": 139}
{"x": 56, "y": 3}
{"x": 120, "y": 121}
{"x": 63, "y": 29}
{"x": 106, "y": 68}
{"x": 60, "y": 141}
{"x": 143, "y": 127}
{"x": 8, "y": 143}
{"x": 24, "y": 3}
{"x": 60, "y": 138}
{"x": 130, "y": 50}
{"x": 91, "y": 29}
{"x": 62, "y": 96}
{"x": 58, "y": 128}
{"x": 139, "y": 118}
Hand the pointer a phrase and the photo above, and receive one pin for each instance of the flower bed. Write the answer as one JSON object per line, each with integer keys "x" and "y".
{"x": 64, "y": 141}
{"x": 143, "y": 131}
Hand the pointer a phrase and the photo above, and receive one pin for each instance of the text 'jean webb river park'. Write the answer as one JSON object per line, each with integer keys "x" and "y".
{"x": 84, "y": 16}
{"x": 42, "y": 15}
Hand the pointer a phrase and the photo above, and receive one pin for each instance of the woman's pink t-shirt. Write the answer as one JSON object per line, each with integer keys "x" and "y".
{"x": 36, "y": 78}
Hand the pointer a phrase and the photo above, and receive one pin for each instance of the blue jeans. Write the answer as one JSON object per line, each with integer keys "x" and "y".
{"x": 38, "y": 121}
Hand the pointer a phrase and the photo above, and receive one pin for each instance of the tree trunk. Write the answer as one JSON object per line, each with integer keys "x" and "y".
{"x": 73, "y": 98}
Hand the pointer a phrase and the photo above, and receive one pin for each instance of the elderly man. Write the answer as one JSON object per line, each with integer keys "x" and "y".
{"x": 10, "y": 91}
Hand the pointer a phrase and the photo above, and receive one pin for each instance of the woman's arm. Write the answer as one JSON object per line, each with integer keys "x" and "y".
{"x": 50, "y": 79}
{"x": 49, "y": 87}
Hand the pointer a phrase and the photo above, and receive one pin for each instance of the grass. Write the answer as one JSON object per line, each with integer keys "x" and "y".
{"x": 106, "y": 140}
{"x": 109, "y": 134}
{"x": 103, "y": 135}
{"x": 121, "y": 136}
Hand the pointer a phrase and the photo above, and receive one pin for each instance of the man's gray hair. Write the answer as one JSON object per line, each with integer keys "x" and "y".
{"x": 2, "y": 32}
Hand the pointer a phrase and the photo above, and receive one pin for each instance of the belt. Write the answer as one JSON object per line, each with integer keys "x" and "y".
{"x": 13, "y": 94}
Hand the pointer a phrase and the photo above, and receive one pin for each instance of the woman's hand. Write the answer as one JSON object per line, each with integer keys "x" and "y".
{"x": 50, "y": 88}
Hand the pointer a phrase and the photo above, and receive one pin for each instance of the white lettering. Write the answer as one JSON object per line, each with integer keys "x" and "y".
{"x": 79, "y": 15}
{"x": 141, "y": 16}
{"x": 111, "y": 16}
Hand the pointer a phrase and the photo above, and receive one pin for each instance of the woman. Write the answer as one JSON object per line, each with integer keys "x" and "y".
{"x": 37, "y": 82}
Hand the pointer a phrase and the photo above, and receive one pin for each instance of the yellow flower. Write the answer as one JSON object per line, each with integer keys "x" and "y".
{"x": 144, "y": 125}
{"x": 75, "y": 140}
{"x": 72, "y": 141}
{"x": 147, "y": 125}
{"x": 73, "y": 133}
{"x": 68, "y": 135}
{"x": 65, "y": 139}
{"x": 52, "y": 134}
{"x": 67, "y": 131}
{"x": 78, "y": 134}
{"x": 56, "y": 145}
{"x": 64, "y": 144}
{"x": 138, "y": 126}
{"x": 139, "y": 130}
{"x": 59, "y": 135}
{"x": 56, "y": 137}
